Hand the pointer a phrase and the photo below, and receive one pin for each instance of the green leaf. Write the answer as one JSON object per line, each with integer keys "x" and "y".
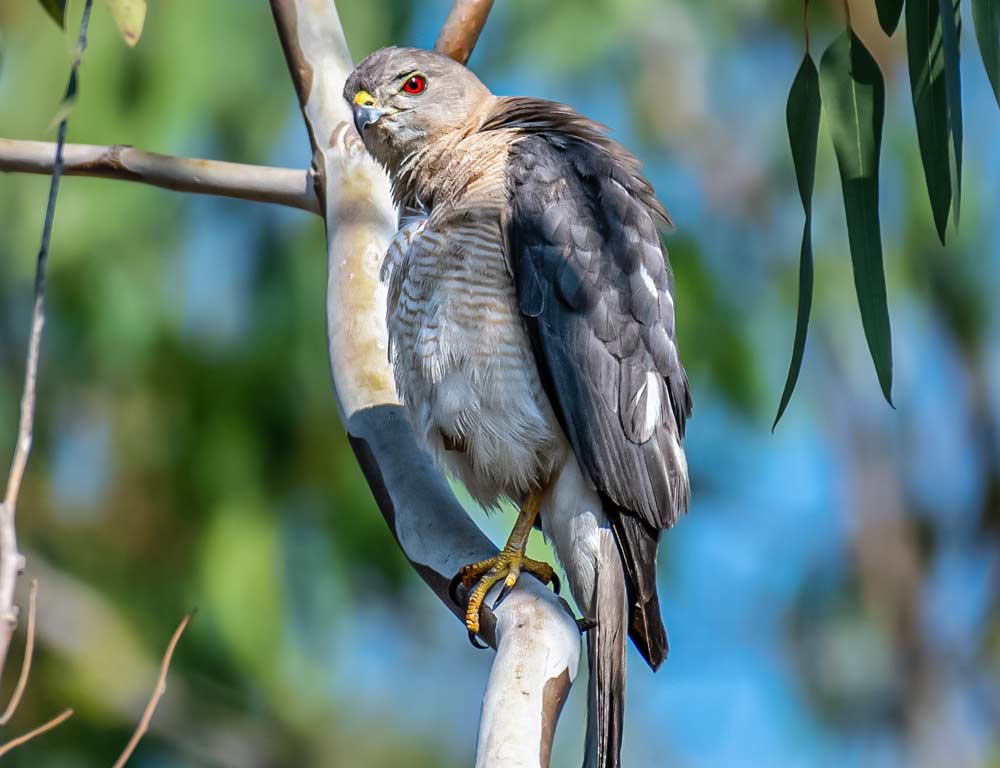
{"x": 853, "y": 90}
{"x": 888, "y": 14}
{"x": 56, "y": 9}
{"x": 930, "y": 103}
{"x": 68, "y": 100}
{"x": 802, "y": 116}
{"x": 986, "y": 15}
{"x": 951, "y": 24}
{"x": 129, "y": 15}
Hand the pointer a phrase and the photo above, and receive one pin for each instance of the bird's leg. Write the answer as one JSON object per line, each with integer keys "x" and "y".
{"x": 506, "y": 567}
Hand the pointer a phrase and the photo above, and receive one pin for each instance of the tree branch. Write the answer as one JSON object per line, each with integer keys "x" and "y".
{"x": 537, "y": 640}
{"x": 29, "y": 651}
{"x": 59, "y": 719}
{"x": 284, "y": 186}
{"x": 462, "y": 27}
{"x": 154, "y": 699}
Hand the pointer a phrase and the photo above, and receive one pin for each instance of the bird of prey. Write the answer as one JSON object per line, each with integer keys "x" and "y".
{"x": 531, "y": 329}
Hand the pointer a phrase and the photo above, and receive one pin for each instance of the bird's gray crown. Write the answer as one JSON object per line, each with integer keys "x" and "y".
{"x": 387, "y": 66}
{"x": 404, "y": 99}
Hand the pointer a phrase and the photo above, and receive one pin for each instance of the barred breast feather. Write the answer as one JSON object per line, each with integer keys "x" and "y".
{"x": 460, "y": 352}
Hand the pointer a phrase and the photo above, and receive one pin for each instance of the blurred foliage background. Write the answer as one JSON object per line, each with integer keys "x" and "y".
{"x": 832, "y": 596}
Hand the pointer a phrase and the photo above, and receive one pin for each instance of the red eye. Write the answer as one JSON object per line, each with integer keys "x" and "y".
{"x": 415, "y": 84}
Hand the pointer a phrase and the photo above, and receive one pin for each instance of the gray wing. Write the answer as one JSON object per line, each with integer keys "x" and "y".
{"x": 593, "y": 283}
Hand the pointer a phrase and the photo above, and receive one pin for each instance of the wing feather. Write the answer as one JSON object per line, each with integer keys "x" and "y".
{"x": 594, "y": 287}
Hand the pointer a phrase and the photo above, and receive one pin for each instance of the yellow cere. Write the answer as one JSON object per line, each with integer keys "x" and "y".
{"x": 364, "y": 99}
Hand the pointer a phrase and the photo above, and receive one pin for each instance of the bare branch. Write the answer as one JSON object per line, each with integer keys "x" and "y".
{"x": 158, "y": 691}
{"x": 462, "y": 27}
{"x": 11, "y": 560}
{"x": 29, "y": 651}
{"x": 283, "y": 186}
{"x": 44, "y": 728}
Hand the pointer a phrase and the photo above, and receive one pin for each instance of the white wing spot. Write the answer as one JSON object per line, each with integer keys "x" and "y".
{"x": 652, "y": 387}
{"x": 647, "y": 280}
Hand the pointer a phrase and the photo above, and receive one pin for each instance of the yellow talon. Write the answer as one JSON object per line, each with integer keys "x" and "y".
{"x": 507, "y": 567}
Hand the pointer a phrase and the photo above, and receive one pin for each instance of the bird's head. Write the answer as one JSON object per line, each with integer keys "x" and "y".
{"x": 406, "y": 98}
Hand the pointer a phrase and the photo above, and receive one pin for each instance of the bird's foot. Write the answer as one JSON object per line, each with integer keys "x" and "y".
{"x": 481, "y": 578}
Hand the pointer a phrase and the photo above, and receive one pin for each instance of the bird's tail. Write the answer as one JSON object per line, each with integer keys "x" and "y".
{"x": 606, "y": 643}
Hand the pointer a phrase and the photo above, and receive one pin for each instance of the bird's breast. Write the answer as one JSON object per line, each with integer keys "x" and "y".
{"x": 463, "y": 362}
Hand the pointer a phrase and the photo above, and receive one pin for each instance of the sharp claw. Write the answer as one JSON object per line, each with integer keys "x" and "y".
{"x": 585, "y": 624}
{"x": 453, "y": 588}
{"x": 556, "y": 584}
{"x": 475, "y": 641}
{"x": 503, "y": 595}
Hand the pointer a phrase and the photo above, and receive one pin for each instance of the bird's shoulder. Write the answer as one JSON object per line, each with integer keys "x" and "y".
{"x": 549, "y": 141}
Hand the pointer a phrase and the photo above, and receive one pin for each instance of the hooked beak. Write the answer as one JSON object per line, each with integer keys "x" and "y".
{"x": 366, "y": 111}
{"x": 365, "y": 116}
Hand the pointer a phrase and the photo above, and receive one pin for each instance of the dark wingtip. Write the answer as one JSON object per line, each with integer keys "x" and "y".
{"x": 654, "y": 647}
{"x": 656, "y": 659}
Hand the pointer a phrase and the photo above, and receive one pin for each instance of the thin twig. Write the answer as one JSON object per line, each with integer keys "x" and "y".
{"x": 11, "y": 560}
{"x": 283, "y": 186}
{"x": 805, "y": 22}
{"x": 462, "y": 27}
{"x": 44, "y": 728}
{"x": 29, "y": 650}
{"x": 161, "y": 687}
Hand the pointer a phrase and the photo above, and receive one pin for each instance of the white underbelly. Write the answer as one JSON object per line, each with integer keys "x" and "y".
{"x": 489, "y": 421}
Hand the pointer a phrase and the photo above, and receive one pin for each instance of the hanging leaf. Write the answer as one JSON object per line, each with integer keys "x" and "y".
{"x": 802, "y": 115}
{"x": 951, "y": 24}
{"x": 888, "y": 14}
{"x": 986, "y": 15}
{"x": 853, "y": 90}
{"x": 68, "y": 100}
{"x": 930, "y": 103}
{"x": 56, "y": 9}
{"x": 129, "y": 15}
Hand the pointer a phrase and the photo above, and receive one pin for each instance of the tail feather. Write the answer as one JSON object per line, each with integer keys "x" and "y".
{"x": 606, "y": 643}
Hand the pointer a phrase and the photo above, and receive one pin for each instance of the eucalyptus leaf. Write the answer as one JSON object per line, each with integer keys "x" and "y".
{"x": 802, "y": 115}
{"x": 889, "y": 12}
{"x": 56, "y": 9}
{"x": 951, "y": 25}
{"x": 930, "y": 104}
{"x": 68, "y": 100}
{"x": 986, "y": 15}
{"x": 129, "y": 16}
{"x": 853, "y": 91}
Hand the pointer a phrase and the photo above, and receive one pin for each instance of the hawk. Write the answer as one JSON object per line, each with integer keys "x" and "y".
{"x": 531, "y": 329}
